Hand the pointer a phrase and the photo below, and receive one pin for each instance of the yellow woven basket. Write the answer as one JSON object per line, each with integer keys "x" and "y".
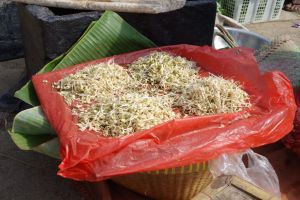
{"x": 181, "y": 183}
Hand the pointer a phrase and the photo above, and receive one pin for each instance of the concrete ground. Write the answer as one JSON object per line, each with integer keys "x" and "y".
{"x": 276, "y": 28}
{"x": 29, "y": 175}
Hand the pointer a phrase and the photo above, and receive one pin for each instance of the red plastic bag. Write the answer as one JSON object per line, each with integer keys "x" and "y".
{"x": 89, "y": 156}
{"x": 297, "y": 118}
{"x": 292, "y": 141}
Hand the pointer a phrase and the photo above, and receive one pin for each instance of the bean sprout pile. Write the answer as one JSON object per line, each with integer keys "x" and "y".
{"x": 114, "y": 101}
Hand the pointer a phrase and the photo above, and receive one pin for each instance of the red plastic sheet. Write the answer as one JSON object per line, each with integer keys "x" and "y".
{"x": 297, "y": 118}
{"x": 92, "y": 157}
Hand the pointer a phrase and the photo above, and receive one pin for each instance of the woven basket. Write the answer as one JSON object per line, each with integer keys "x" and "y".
{"x": 180, "y": 183}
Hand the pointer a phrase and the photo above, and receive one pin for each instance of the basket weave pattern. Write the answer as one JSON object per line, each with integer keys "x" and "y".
{"x": 180, "y": 183}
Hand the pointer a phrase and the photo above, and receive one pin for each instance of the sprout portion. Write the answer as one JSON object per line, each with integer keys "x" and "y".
{"x": 164, "y": 71}
{"x": 212, "y": 95}
{"x": 125, "y": 114}
{"x": 94, "y": 82}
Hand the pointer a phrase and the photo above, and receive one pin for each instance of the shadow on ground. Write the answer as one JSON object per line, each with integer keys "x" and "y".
{"x": 29, "y": 175}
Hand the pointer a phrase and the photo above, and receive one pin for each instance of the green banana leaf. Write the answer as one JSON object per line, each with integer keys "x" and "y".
{"x": 44, "y": 144}
{"x": 26, "y": 93}
{"x": 49, "y": 148}
{"x": 33, "y": 122}
{"x": 32, "y": 131}
{"x": 110, "y": 35}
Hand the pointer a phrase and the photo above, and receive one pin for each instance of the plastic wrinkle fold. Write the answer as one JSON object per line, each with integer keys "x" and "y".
{"x": 92, "y": 157}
